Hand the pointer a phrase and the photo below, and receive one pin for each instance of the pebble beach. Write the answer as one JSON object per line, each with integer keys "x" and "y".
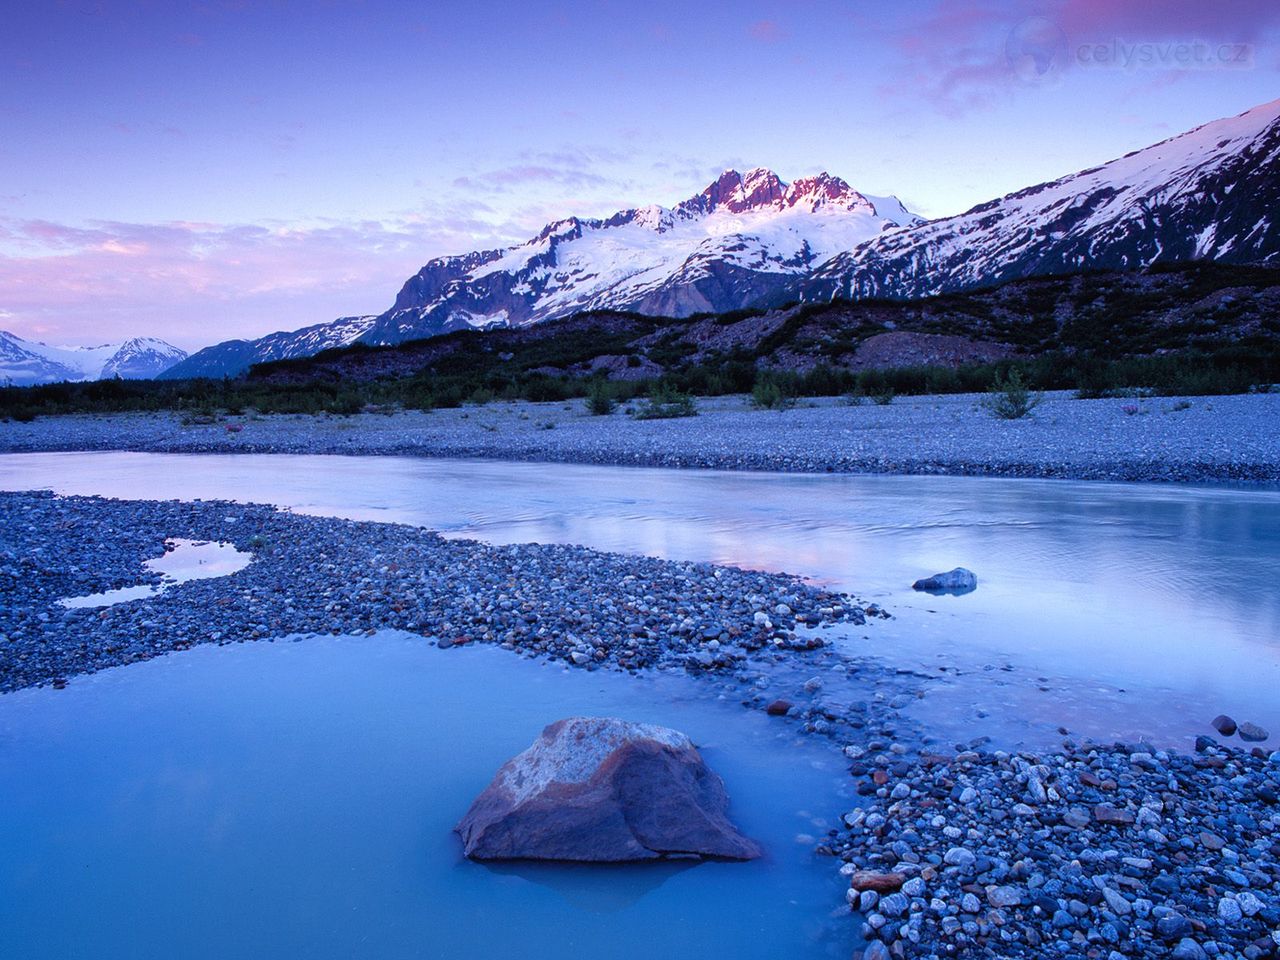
{"x": 1192, "y": 439}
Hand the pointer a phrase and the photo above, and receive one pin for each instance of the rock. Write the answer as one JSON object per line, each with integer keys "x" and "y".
{"x": 1001, "y": 897}
{"x": 1224, "y": 725}
{"x": 894, "y": 905}
{"x": 1252, "y": 732}
{"x": 876, "y": 951}
{"x": 1249, "y": 904}
{"x": 1188, "y": 949}
{"x": 879, "y": 882}
{"x": 778, "y": 708}
{"x": 958, "y": 857}
{"x": 1077, "y": 818}
{"x": 1229, "y": 911}
{"x": 600, "y": 789}
{"x": 1116, "y": 901}
{"x": 1174, "y": 927}
{"x": 958, "y": 580}
{"x": 1106, "y": 813}
{"x": 915, "y": 887}
{"x": 1211, "y": 841}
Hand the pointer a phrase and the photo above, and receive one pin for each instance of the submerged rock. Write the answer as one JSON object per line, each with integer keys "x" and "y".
{"x": 958, "y": 580}
{"x": 1252, "y": 732}
{"x": 1224, "y": 725}
{"x": 600, "y": 789}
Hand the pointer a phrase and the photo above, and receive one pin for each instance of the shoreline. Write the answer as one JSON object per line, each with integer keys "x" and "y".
{"x": 1056, "y": 847}
{"x": 1227, "y": 439}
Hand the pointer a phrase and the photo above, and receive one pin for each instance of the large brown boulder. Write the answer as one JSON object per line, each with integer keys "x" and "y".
{"x": 604, "y": 790}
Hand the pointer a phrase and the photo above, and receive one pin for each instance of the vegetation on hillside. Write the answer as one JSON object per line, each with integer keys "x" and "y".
{"x": 1193, "y": 330}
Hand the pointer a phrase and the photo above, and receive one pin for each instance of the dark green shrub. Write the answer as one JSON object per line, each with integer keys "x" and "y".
{"x": 770, "y": 392}
{"x": 665, "y": 402}
{"x": 600, "y": 402}
{"x": 1009, "y": 398}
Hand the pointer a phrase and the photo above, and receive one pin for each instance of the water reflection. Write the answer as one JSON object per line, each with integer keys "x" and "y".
{"x": 299, "y": 799}
{"x": 1165, "y": 590}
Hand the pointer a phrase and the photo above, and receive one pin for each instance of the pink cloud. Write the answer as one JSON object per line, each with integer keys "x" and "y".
{"x": 199, "y": 283}
{"x": 767, "y": 31}
{"x": 1227, "y": 20}
{"x": 954, "y": 54}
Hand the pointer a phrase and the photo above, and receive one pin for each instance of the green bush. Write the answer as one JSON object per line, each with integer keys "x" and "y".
{"x": 771, "y": 392}
{"x": 1009, "y": 398}
{"x": 665, "y": 402}
{"x": 600, "y": 402}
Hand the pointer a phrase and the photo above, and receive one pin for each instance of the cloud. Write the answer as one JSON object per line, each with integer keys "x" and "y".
{"x": 505, "y": 178}
{"x": 199, "y": 283}
{"x": 767, "y": 31}
{"x": 960, "y": 54}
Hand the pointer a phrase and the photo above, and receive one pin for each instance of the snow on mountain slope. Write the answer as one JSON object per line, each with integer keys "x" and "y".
{"x": 753, "y": 230}
{"x": 752, "y": 239}
{"x": 232, "y": 357}
{"x": 26, "y": 362}
{"x": 1210, "y": 193}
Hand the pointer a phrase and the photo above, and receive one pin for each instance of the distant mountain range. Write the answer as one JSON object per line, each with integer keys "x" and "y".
{"x": 753, "y": 240}
{"x": 29, "y": 362}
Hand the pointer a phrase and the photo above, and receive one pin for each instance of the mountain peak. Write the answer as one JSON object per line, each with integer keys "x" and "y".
{"x": 737, "y": 192}
{"x": 760, "y": 188}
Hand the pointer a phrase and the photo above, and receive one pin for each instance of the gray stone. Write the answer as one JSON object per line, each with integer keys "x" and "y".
{"x": 1188, "y": 949}
{"x": 1116, "y": 901}
{"x": 1223, "y": 724}
{"x": 603, "y": 790}
{"x": 958, "y": 580}
{"x": 1001, "y": 897}
{"x": 1252, "y": 732}
{"x": 894, "y": 905}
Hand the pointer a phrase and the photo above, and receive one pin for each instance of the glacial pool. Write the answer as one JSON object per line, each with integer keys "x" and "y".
{"x": 297, "y": 799}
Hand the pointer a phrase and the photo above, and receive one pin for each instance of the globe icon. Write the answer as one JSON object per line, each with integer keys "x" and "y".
{"x": 1036, "y": 49}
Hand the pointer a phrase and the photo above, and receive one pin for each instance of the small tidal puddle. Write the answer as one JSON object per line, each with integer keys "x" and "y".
{"x": 298, "y": 800}
{"x": 183, "y": 560}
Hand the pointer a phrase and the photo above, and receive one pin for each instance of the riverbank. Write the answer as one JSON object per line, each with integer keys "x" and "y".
{"x": 1112, "y": 851}
{"x": 1230, "y": 438}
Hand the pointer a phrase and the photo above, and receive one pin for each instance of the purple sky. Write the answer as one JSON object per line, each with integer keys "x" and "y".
{"x": 201, "y": 171}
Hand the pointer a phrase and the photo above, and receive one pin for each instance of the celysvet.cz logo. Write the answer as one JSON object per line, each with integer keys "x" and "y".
{"x": 1171, "y": 55}
{"x": 1038, "y": 50}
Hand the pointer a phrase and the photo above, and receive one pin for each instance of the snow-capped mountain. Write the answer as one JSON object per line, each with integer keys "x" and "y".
{"x": 234, "y": 356}
{"x": 743, "y": 238}
{"x": 753, "y": 240}
{"x": 27, "y": 362}
{"x": 1212, "y": 193}
{"x": 739, "y": 240}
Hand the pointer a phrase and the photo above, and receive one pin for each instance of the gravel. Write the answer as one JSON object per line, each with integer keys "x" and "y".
{"x": 315, "y": 575}
{"x": 1110, "y": 851}
{"x": 1165, "y": 439}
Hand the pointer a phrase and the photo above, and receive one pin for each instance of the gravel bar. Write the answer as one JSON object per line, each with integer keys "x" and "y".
{"x": 312, "y": 575}
{"x": 1157, "y": 439}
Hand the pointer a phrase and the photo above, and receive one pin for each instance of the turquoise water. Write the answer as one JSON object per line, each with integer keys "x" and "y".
{"x": 297, "y": 800}
{"x": 1111, "y": 609}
